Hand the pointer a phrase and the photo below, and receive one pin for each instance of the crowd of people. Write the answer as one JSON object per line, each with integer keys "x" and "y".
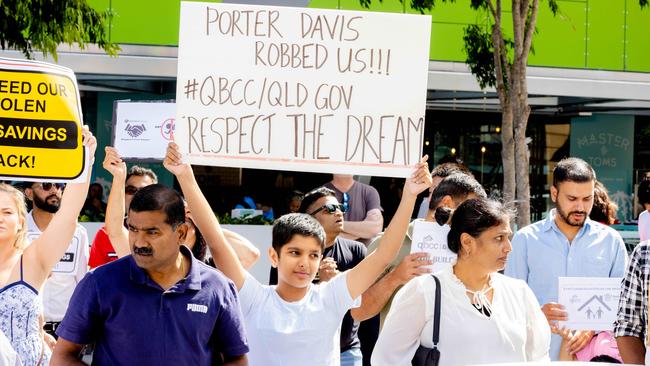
{"x": 163, "y": 283}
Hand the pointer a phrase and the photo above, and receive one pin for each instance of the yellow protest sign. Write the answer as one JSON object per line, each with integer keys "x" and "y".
{"x": 40, "y": 122}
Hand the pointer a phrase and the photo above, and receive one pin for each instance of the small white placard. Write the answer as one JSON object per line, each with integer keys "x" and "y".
{"x": 143, "y": 129}
{"x": 431, "y": 238}
{"x": 591, "y": 302}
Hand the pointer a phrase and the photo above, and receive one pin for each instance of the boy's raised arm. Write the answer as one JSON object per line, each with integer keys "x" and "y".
{"x": 223, "y": 254}
{"x": 363, "y": 275}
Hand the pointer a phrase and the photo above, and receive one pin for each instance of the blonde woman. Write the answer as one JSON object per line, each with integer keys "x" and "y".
{"x": 24, "y": 267}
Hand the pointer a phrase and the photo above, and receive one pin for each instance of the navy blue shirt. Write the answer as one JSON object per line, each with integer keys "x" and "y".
{"x": 133, "y": 321}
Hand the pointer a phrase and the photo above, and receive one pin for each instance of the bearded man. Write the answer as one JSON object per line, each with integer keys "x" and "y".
{"x": 566, "y": 244}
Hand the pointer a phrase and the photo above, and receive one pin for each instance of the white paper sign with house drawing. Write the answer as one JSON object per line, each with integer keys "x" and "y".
{"x": 591, "y": 302}
{"x": 431, "y": 238}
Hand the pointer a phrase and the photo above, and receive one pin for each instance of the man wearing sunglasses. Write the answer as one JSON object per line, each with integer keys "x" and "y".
{"x": 124, "y": 185}
{"x": 58, "y": 289}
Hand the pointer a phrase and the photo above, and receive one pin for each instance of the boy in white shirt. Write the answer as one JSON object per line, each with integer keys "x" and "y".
{"x": 296, "y": 322}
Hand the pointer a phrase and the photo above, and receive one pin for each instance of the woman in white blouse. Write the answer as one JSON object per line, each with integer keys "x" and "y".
{"x": 485, "y": 317}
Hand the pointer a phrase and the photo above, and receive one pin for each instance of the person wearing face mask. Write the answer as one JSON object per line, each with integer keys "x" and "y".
{"x": 449, "y": 192}
{"x": 485, "y": 317}
{"x": 298, "y": 322}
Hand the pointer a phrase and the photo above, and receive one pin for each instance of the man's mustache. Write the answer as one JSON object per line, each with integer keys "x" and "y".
{"x": 143, "y": 250}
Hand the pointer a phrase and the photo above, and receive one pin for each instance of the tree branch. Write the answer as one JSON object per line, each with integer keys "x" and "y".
{"x": 495, "y": 13}
{"x": 530, "y": 31}
{"x": 497, "y": 41}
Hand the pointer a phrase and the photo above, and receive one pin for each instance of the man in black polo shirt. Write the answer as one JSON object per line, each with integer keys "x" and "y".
{"x": 157, "y": 306}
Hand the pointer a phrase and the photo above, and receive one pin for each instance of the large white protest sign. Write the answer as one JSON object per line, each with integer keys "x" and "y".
{"x": 301, "y": 89}
{"x": 591, "y": 302}
{"x": 142, "y": 129}
{"x": 431, "y": 238}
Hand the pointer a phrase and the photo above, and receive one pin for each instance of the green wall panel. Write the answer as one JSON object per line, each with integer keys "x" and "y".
{"x": 638, "y": 37}
{"x": 605, "y": 34}
{"x": 146, "y": 21}
{"x": 100, "y": 5}
{"x": 445, "y": 12}
{"x": 386, "y": 6}
{"x": 560, "y": 40}
{"x": 445, "y": 44}
{"x": 594, "y": 34}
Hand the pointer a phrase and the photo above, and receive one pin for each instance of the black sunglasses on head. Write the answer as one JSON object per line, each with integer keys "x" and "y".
{"x": 331, "y": 208}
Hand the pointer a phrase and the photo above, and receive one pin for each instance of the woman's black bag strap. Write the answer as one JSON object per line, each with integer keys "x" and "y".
{"x": 431, "y": 356}
{"x": 436, "y": 314}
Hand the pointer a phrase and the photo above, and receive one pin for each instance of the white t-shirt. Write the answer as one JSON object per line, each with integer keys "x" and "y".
{"x": 65, "y": 275}
{"x": 644, "y": 225}
{"x": 305, "y": 332}
{"x": 517, "y": 330}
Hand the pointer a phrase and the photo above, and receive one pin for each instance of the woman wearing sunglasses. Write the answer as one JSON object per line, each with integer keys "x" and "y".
{"x": 485, "y": 317}
{"x": 24, "y": 267}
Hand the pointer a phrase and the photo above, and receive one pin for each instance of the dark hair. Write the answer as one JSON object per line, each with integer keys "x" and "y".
{"x": 446, "y": 169}
{"x": 157, "y": 197}
{"x": 314, "y": 196}
{"x": 458, "y": 186}
{"x": 573, "y": 170}
{"x": 200, "y": 248}
{"x": 604, "y": 358}
{"x": 604, "y": 210}
{"x": 473, "y": 217}
{"x": 139, "y": 171}
{"x": 643, "y": 192}
{"x": 292, "y": 224}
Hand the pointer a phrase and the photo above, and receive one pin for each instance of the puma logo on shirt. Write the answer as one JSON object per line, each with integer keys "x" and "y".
{"x": 197, "y": 308}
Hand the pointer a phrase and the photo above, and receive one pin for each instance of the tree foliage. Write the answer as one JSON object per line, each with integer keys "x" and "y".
{"x": 29, "y": 25}
{"x": 498, "y": 61}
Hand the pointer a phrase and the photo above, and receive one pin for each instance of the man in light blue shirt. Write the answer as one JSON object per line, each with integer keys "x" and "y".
{"x": 566, "y": 244}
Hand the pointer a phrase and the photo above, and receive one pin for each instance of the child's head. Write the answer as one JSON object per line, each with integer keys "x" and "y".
{"x": 298, "y": 241}
{"x": 292, "y": 224}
